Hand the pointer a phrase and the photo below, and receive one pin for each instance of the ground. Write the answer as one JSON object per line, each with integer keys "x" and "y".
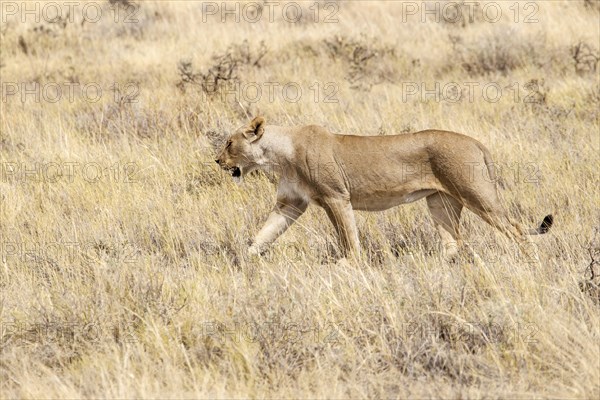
{"x": 123, "y": 247}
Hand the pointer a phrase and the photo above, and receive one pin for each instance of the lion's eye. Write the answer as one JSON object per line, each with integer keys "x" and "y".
{"x": 228, "y": 144}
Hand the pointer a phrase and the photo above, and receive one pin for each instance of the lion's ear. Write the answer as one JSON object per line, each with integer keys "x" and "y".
{"x": 255, "y": 129}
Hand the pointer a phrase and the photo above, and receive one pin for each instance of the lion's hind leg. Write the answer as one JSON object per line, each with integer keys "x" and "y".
{"x": 445, "y": 211}
{"x": 493, "y": 213}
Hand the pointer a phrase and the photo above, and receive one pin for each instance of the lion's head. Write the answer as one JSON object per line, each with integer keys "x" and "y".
{"x": 240, "y": 155}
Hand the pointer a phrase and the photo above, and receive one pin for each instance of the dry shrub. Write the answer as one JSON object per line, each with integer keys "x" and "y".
{"x": 364, "y": 59}
{"x": 592, "y": 5}
{"x": 591, "y": 283}
{"x": 498, "y": 52}
{"x": 585, "y": 58}
{"x": 225, "y": 68}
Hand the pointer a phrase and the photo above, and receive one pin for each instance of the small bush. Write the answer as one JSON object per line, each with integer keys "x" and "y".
{"x": 496, "y": 53}
{"x": 364, "y": 58}
{"x": 225, "y": 68}
{"x": 585, "y": 58}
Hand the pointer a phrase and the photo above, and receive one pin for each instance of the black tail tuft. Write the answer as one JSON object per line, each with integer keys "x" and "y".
{"x": 546, "y": 224}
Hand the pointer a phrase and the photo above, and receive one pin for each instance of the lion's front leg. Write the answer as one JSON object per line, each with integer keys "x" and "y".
{"x": 284, "y": 214}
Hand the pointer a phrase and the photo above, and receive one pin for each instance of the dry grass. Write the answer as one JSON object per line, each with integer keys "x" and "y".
{"x": 135, "y": 283}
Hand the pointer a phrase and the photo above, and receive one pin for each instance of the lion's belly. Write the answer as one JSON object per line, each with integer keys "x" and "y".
{"x": 379, "y": 201}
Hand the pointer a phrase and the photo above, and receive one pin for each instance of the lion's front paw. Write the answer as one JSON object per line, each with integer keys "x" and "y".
{"x": 254, "y": 251}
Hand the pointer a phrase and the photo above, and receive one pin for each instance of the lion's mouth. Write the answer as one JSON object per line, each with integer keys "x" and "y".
{"x": 236, "y": 174}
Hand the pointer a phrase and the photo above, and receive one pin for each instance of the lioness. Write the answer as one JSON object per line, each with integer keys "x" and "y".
{"x": 342, "y": 173}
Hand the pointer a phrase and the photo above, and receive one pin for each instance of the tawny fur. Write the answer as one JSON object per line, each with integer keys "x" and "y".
{"x": 342, "y": 173}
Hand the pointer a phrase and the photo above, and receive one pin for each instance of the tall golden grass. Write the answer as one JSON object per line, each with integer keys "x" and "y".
{"x": 124, "y": 272}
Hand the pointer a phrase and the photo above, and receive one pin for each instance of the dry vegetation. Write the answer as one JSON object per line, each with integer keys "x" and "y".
{"x": 126, "y": 276}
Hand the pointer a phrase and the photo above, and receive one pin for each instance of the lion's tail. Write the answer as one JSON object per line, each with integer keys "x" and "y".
{"x": 487, "y": 158}
{"x": 548, "y": 219}
{"x": 544, "y": 226}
